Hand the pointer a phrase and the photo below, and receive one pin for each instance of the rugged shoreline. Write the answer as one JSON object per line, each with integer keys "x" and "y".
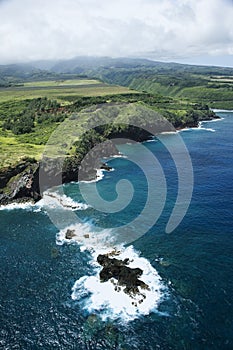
{"x": 29, "y": 179}
{"x": 22, "y": 183}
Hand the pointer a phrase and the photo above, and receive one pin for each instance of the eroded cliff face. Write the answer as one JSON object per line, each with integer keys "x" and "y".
{"x": 29, "y": 179}
{"x": 20, "y": 183}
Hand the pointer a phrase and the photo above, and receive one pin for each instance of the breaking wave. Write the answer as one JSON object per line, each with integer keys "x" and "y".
{"x": 108, "y": 299}
{"x": 23, "y": 206}
{"x": 54, "y": 200}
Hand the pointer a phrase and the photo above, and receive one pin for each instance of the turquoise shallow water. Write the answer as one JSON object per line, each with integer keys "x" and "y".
{"x": 195, "y": 261}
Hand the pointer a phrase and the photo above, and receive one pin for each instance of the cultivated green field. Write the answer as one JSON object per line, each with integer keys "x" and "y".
{"x": 56, "y": 83}
{"x": 57, "y": 89}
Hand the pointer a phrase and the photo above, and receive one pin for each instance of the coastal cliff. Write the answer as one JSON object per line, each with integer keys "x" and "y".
{"x": 29, "y": 179}
{"x": 22, "y": 182}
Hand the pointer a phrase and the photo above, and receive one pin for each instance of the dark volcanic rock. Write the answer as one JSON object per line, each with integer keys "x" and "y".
{"x": 126, "y": 276}
{"x": 70, "y": 234}
{"x": 91, "y": 162}
{"x": 105, "y": 166}
{"x": 27, "y": 180}
{"x": 20, "y": 184}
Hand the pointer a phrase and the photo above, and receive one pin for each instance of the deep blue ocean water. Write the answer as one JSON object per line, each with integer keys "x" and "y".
{"x": 195, "y": 261}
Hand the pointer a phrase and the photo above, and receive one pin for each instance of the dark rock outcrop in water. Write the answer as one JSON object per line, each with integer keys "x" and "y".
{"x": 70, "y": 234}
{"x": 104, "y": 166}
{"x": 127, "y": 277}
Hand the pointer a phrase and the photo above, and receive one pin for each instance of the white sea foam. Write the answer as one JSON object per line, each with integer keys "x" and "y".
{"x": 200, "y": 127}
{"x": 50, "y": 199}
{"x": 99, "y": 176}
{"x": 119, "y": 155}
{"x": 151, "y": 140}
{"x": 53, "y": 200}
{"x": 108, "y": 299}
{"x": 186, "y": 129}
{"x": 213, "y": 120}
{"x": 35, "y": 207}
{"x": 169, "y": 132}
{"x": 15, "y": 206}
{"x": 207, "y": 129}
{"x": 222, "y": 110}
{"x": 86, "y": 237}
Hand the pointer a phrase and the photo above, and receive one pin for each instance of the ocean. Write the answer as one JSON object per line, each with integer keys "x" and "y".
{"x": 50, "y": 294}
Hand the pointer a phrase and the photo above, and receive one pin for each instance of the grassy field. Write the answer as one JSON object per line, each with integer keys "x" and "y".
{"x": 56, "y": 83}
{"x": 55, "y": 89}
{"x": 12, "y": 150}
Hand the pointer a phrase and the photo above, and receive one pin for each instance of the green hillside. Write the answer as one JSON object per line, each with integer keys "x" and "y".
{"x": 34, "y": 100}
{"x": 215, "y": 90}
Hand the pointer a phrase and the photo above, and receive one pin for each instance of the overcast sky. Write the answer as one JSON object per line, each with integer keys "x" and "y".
{"x": 195, "y": 31}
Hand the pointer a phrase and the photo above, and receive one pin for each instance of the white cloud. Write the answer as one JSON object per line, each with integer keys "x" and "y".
{"x": 157, "y": 29}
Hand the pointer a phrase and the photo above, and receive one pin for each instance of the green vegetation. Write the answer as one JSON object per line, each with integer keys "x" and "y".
{"x": 37, "y": 111}
{"x": 212, "y": 85}
{"x": 34, "y": 102}
{"x": 64, "y": 92}
{"x": 217, "y": 93}
{"x": 12, "y": 150}
{"x": 63, "y": 83}
{"x": 31, "y": 112}
{"x": 123, "y": 97}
